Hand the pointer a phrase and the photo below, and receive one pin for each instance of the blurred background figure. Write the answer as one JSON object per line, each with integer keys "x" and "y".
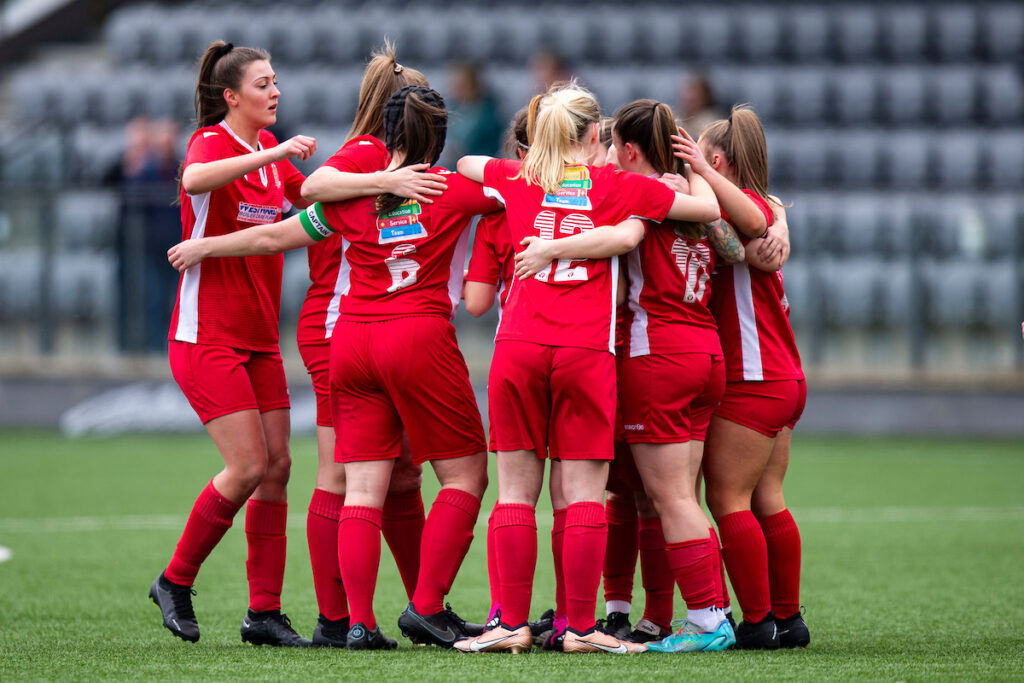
{"x": 474, "y": 126}
{"x": 697, "y": 104}
{"x": 549, "y": 66}
{"x": 148, "y": 226}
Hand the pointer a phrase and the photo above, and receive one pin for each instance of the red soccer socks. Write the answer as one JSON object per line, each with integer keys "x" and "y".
{"x": 447, "y": 535}
{"x": 782, "y": 538}
{"x": 659, "y": 584}
{"x": 621, "y": 553}
{"x": 209, "y": 520}
{"x": 586, "y": 533}
{"x": 557, "y": 546}
{"x": 322, "y": 535}
{"x": 723, "y": 588}
{"x": 403, "y": 531}
{"x": 266, "y": 524}
{"x": 515, "y": 535}
{"x": 746, "y": 558}
{"x": 359, "y": 559}
{"x": 693, "y": 568}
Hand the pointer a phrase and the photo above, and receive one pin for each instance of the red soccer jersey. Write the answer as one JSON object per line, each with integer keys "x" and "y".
{"x": 669, "y": 290}
{"x": 572, "y": 303}
{"x": 233, "y": 301}
{"x": 753, "y": 321}
{"x": 493, "y": 259}
{"x": 329, "y": 274}
{"x": 408, "y": 261}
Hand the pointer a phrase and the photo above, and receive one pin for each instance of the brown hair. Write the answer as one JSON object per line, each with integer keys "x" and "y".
{"x": 383, "y": 76}
{"x": 221, "y": 68}
{"x": 556, "y": 123}
{"x": 415, "y": 122}
{"x": 650, "y": 125}
{"x": 517, "y": 138}
{"x": 741, "y": 137}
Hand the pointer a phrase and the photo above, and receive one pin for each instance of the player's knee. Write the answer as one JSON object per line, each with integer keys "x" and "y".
{"x": 405, "y": 478}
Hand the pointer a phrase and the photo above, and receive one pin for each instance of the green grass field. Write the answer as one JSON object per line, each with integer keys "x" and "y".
{"x": 913, "y": 570}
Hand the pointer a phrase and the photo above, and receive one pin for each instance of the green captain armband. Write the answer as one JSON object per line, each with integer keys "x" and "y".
{"x": 315, "y": 224}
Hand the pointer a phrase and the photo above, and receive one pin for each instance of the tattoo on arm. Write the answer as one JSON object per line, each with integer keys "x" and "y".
{"x": 725, "y": 241}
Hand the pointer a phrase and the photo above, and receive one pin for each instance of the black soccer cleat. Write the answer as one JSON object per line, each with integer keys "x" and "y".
{"x": 330, "y": 633}
{"x": 760, "y": 636}
{"x": 271, "y": 628}
{"x": 175, "y": 603}
{"x": 793, "y": 631}
{"x": 362, "y": 638}
{"x": 441, "y": 628}
{"x": 647, "y": 631}
{"x": 617, "y": 624}
{"x": 545, "y": 623}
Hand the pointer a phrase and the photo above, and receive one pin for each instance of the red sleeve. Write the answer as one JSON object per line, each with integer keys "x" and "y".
{"x": 498, "y": 171}
{"x": 483, "y": 261}
{"x": 761, "y": 203}
{"x": 293, "y": 180}
{"x": 466, "y": 196}
{"x": 647, "y": 197}
{"x": 206, "y": 146}
{"x": 364, "y": 154}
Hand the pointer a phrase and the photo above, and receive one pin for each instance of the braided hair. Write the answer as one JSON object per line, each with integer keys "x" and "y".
{"x": 416, "y": 123}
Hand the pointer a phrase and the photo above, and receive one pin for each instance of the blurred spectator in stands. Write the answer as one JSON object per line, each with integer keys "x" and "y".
{"x": 149, "y": 225}
{"x": 549, "y": 66}
{"x": 474, "y": 126}
{"x": 697, "y": 104}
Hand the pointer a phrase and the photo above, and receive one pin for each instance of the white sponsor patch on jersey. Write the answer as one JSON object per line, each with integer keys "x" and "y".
{"x": 208, "y": 133}
{"x": 257, "y": 213}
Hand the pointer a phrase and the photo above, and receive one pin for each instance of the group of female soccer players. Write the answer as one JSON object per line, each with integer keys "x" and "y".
{"x": 678, "y": 362}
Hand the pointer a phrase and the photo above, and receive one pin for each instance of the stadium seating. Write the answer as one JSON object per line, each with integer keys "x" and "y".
{"x": 896, "y": 130}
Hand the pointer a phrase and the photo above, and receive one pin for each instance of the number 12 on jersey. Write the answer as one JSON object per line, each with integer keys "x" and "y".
{"x": 563, "y": 270}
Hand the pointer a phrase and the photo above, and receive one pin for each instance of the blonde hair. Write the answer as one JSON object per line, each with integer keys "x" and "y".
{"x": 383, "y": 76}
{"x": 741, "y": 137}
{"x": 557, "y": 123}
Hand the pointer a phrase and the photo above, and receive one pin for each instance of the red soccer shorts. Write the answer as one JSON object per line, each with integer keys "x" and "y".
{"x": 669, "y": 398}
{"x": 317, "y": 358}
{"x": 765, "y": 407}
{"x": 559, "y": 395}
{"x": 219, "y": 380}
{"x": 404, "y": 371}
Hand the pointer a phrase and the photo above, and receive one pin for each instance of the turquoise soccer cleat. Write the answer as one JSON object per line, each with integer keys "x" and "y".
{"x": 689, "y": 638}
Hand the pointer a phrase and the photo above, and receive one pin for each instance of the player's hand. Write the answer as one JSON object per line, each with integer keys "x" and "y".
{"x": 534, "y": 258}
{"x": 411, "y": 182}
{"x": 774, "y": 244}
{"x": 676, "y": 183}
{"x": 186, "y": 254}
{"x": 685, "y": 148}
{"x": 301, "y": 146}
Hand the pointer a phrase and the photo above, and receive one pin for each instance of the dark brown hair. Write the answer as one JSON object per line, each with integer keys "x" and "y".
{"x": 650, "y": 125}
{"x": 383, "y": 76}
{"x": 221, "y": 68}
{"x": 741, "y": 137}
{"x": 416, "y": 123}
{"x": 516, "y": 138}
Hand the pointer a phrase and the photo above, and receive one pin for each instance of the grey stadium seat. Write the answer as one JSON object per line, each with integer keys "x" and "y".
{"x": 796, "y": 280}
{"x": 954, "y": 94}
{"x": 1006, "y": 159}
{"x": 905, "y": 31}
{"x": 855, "y": 96}
{"x": 857, "y": 158}
{"x": 19, "y": 283}
{"x": 758, "y": 34}
{"x": 955, "y": 30}
{"x": 1002, "y": 31}
{"x": 902, "y": 96}
{"x": 85, "y": 285}
{"x": 804, "y": 91}
{"x": 87, "y": 218}
{"x": 856, "y": 29}
{"x": 1001, "y": 100}
{"x": 957, "y": 159}
{"x": 908, "y": 159}
{"x": 805, "y": 34}
{"x": 1000, "y": 296}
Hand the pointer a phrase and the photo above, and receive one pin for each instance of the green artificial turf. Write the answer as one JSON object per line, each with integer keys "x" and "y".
{"x": 913, "y": 570}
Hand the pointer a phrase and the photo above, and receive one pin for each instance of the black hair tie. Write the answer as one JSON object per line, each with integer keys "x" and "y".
{"x": 224, "y": 49}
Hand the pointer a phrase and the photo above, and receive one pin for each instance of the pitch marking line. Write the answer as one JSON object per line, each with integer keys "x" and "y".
{"x": 832, "y": 515}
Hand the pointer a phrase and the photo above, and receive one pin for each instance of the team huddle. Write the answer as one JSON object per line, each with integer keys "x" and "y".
{"x": 643, "y": 379}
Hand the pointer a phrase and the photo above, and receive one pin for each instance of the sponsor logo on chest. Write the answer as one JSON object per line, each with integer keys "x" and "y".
{"x": 257, "y": 213}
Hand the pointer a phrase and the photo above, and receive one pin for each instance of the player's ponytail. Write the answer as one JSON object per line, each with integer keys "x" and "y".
{"x": 383, "y": 76}
{"x": 416, "y": 123}
{"x": 741, "y": 137}
{"x": 221, "y": 68}
{"x": 558, "y": 121}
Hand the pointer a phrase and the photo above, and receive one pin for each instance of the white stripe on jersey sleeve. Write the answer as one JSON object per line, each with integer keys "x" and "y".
{"x": 493, "y": 194}
{"x": 188, "y": 297}
{"x": 457, "y": 269}
{"x": 615, "y": 293}
{"x": 753, "y": 371}
{"x": 341, "y": 287}
{"x": 639, "y": 342}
